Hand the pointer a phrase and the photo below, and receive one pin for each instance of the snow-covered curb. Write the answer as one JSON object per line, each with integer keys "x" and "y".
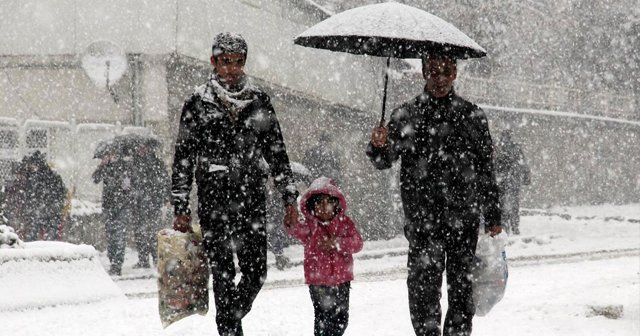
{"x": 45, "y": 274}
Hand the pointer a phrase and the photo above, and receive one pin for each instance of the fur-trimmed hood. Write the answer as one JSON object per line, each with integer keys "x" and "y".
{"x": 327, "y": 186}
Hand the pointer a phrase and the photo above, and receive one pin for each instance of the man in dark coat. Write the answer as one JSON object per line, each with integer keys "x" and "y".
{"x": 447, "y": 185}
{"x": 118, "y": 203}
{"x": 321, "y": 160}
{"x": 43, "y": 198}
{"x": 512, "y": 173}
{"x": 152, "y": 192}
{"x": 227, "y": 127}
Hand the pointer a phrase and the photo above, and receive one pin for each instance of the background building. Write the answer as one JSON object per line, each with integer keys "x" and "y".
{"x": 48, "y": 101}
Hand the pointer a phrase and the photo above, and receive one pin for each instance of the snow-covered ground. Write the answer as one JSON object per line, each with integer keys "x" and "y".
{"x": 564, "y": 270}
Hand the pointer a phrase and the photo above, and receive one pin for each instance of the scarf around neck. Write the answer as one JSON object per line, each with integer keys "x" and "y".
{"x": 233, "y": 101}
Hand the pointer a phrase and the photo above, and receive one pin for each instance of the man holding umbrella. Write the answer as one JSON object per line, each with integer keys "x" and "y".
{"x": 444, "y": 145}
{"x": 227, "y": 127}
{"x": 447, "y": 185}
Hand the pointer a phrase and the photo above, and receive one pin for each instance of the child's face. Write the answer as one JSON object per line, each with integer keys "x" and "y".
{"x": 325, "y": 208}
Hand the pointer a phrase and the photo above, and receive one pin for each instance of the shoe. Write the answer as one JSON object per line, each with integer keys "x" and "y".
{"x": 115, "y": 270}
{"x": 142, "y": 264}
{"x": 282, "y": 262}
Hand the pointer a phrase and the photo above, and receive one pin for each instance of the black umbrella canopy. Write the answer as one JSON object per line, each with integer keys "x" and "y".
{"x": 390, "y": 30}
{"x": 125, "y": 144}
{"x": 103, "y": 148}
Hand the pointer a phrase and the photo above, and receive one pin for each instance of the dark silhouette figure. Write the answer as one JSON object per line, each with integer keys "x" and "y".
{"x": 38, "y": 195}
{"x": 322, "y": 160}
{"x": 116, "y": 172}
{"x": 152, "y": 185}
{"x": 512, "y": 173}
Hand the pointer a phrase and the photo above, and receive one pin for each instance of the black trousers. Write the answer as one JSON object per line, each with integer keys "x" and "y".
{"x": 445, "y": 244}
{"x": 331, "y": 309}
{"x": 246, "y": 236}
{"x": 510, "y": 201}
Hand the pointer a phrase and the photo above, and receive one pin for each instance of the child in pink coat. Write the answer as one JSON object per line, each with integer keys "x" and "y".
{"x": 330, "y": 239}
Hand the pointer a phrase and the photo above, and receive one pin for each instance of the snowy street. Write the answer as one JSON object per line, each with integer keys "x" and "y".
{"x": 563, "y": 269}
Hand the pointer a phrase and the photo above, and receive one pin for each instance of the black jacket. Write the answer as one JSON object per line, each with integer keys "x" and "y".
{"x": 152, "y": 182}
{"x": 446, "y": 153}
{"x": 511, "y": 167}
{"x": 44, "y": 194}
{"x": 118, "y": 183}
{"x": 226, "y": 155}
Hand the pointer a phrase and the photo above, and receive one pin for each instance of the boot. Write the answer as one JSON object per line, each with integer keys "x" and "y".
{"x": 282, "y": 262}
{"x": 115, "y": 269}
{"x": 143, "y": 263}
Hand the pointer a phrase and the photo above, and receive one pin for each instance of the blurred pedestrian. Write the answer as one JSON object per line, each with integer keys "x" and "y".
{"x": 512, "y": 173}
{"x": 41, "y": 195}
{"x": 323, "y": 160}
{"x": 277, "y": 239}
{"x": 152, "y": 185}
{"x": 119, "y": 206}
{"x": 330, "y": 239}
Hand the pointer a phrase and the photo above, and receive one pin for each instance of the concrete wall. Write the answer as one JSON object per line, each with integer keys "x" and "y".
{"x": 574, "y": 158}
{"x": 187, "y": 27}
{"x": 57, "y": 88}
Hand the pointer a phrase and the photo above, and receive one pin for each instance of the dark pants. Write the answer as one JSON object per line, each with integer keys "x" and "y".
{"x": 246, "y": 236}
{"x": 48, "y": 225}
{"x": 145, "y": 230}
{"x": 445, "y": 244}
{"x": 116, "y": 221}
{"x": 510, "y": 201}
{"x": 331, "y": 309}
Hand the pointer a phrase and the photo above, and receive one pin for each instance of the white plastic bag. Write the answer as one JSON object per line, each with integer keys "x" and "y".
{"x": 489, "y": 272}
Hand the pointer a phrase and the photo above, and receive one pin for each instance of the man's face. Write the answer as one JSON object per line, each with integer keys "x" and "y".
{"x": 229, "y": 67}
{"x": 439, "y": 74}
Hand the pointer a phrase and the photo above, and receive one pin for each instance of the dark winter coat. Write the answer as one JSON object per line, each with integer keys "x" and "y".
{"x": 321, "y": 267}
{"x": 446, "y": 158}
{"x": 226, "y": 154}
{"x": 44, "y": 194}
{"x": 512, "y": 170}
{"x": 118, "y": 183}
{"x": 152, "y": 181}
{"x": 322, "y": 161}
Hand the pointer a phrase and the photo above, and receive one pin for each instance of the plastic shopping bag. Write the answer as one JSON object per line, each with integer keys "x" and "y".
{"x": 489, "y": 272}
{"x": 183, "y": 275}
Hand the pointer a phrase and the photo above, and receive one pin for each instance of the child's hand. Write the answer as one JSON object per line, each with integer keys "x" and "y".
{"x": 291, "y": 216}
{"x": 327, "y": 244}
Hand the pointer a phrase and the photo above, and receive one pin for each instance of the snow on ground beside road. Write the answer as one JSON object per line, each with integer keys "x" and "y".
{"x": 541, "y": 298}
{"x": 48, "y": 273}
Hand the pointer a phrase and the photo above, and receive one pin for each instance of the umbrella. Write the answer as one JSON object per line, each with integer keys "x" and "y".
{"x": 390, "y": 30}
{"x": 125, "y": 144}
{"x": 103, "y": 148}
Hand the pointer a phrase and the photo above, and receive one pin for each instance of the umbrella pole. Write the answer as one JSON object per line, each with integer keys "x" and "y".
{"x": 384, "y": 95}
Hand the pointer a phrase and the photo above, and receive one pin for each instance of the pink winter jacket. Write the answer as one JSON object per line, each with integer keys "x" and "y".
{"x": 327, "y": 268}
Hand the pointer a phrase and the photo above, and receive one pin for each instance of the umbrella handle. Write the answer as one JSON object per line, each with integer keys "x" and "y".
{"x": 384, "y": 94}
